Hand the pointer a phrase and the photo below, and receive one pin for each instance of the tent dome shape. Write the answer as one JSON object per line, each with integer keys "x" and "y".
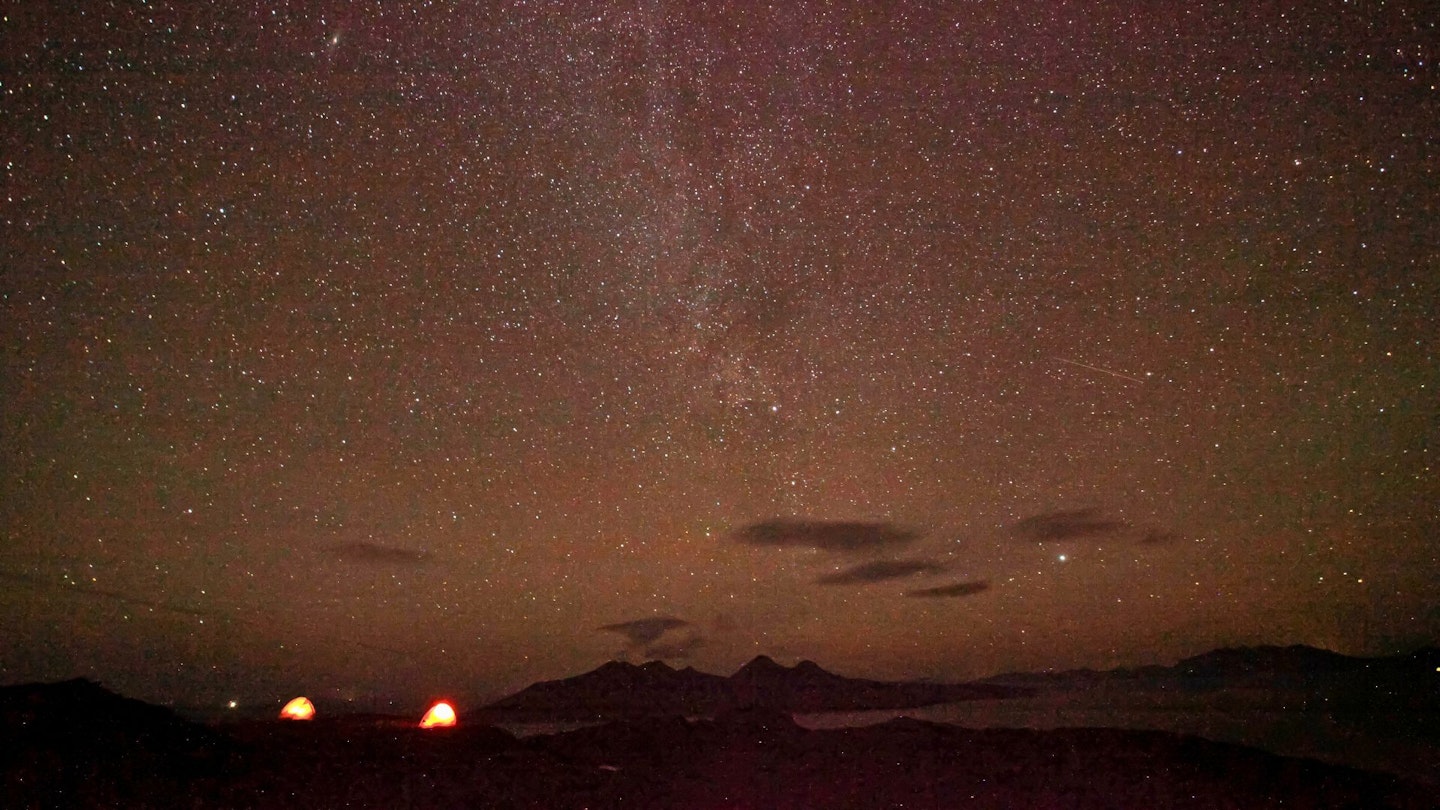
{"x": 441, "y": 715}
{"x": 298, "y": 709}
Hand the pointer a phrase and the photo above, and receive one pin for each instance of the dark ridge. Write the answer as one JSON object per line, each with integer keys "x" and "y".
{"x": 81, "y": 712}
{"x": 1294, "y": 659}
{"x": 1297, "y": 661}
{"x": 76, "y": 743}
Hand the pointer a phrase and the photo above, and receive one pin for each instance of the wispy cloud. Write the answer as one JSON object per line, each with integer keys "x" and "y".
{"x": 952, "y": 591}
{"x": 825, "y": 535}
{"x": 1067, "y": 525}
{"x": 880, "y": 571}
{"x": 365, "y": 552}
{"x": 647, "y": 630}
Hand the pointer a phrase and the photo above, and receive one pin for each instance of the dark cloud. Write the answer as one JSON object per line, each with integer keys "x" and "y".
{"x": 825, "y": 535}
{"x": 880, "y": 571}
{"x": 375, "y": 554}
{"x": 654, "y": 637}
{"x": 952, "y": 590}
{"x": 1067, "y": 525}
{"x": 645, "y": 632}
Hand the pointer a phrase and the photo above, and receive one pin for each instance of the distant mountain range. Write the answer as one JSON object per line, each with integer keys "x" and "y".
{"x": 618, "y": 689}
{"x": 1238, "y": 665}
{"x": 622, "y": 690}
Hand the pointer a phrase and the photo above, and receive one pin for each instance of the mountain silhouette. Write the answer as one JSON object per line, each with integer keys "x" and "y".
{"x": 1297, "y": 659}
{"x": 622, "y": 690}
{"x": 1233, "y": 666}
{"x": 616, "y": 689}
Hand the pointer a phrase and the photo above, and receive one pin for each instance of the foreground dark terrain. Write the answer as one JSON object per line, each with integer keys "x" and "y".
{"x": 75, "y": 744}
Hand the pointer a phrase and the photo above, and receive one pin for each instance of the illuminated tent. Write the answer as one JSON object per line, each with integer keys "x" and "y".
{"x": 298, "y": 709}
{"x": 441, "y": 715}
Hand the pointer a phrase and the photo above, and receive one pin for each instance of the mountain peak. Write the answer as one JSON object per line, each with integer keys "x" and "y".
{"x": 614, "y": 666}
{"x": 622, "y": 690}
{"x": 760, "y": 665}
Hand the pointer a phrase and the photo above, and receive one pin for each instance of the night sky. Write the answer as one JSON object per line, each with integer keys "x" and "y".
{"x": 391, "y": 349}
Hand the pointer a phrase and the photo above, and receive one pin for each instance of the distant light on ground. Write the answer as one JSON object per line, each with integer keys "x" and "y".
{"x": 441, "y": 715}
{"x": 298, "y": 709}
{"x": 232, "y": 704}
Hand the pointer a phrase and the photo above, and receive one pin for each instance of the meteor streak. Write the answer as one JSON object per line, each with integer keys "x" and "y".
{"x": 1101, "y": 370}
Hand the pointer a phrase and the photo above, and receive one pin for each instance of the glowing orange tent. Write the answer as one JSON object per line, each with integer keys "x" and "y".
{"x": 441, "y": 715}
{"x": 298, "y": 709}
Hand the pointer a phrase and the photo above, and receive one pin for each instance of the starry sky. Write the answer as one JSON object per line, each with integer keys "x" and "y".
{"x": 382, "y": 349}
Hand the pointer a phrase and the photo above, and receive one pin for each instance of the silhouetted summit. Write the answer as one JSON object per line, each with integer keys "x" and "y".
{"x": 759, "y": 666}
{"x": 617, "y": 689}
{"x": 765, "y": 668}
